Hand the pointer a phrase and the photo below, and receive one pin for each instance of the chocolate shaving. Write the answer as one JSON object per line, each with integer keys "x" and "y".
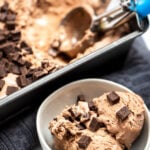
{"x": 11, "y": 89}
{"x": 113, "y": 98}
{"x": 84, "y": 141}
{"x": 2, "y": 83}
{"x": 95, "y": 124}
{"x": 123, "y": 113}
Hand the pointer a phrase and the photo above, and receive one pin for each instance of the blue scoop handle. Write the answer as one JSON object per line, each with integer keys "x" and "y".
{"x": 142, "y": 7}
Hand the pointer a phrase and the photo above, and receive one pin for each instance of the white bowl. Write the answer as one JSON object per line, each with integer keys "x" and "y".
{"x": 67, "y": 94}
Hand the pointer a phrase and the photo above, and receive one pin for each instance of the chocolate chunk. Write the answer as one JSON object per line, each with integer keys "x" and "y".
{"x": 45, "y": 63}
{"x": 2, "y": 83}
{"x": 10, "y": 25}
{"x": 14, "y": 69}
{"x": 22, "y": 81}
{"x": 3, "y": 17}
{"x": 81, "y": 126}
{"x": 38, "y": 74}
{"x": 15, "y": 35}
{"x": 7, "y": 48}
{"x": 2, "y": 39}
{"x": 26, "y": 47}
{"x": 80, "y": 98}
{"x": 123, "y": 113}
{"x": 11, "y": 89}
{"x": 20, "y": 61}
{"x": 113, "y": 98}
{"x": 73, "y": 113}
{"x": 84, "y": 141}
{"x": 3, "y": 72}
{"x": 13, "y": 56}
{"x": 28, "y": 64}
{"x": 23, "y": 70}
{"x": 95, "y": 124}
{"x": 92, "y": 106}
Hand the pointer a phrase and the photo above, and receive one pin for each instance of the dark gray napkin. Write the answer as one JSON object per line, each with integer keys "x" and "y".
{"x": 20, "y": 132}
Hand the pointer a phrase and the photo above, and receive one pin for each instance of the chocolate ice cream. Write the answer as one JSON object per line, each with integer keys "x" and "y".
{"x": 111, "y": 121}
{"x": 30, "y": 46}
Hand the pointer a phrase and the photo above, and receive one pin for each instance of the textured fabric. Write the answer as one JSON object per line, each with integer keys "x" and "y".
{"x": 21, "y": 134}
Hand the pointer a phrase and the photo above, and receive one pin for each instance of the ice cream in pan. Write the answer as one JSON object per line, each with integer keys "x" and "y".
{"x": 29, "y": 47}
{"x": 112, "y": 121}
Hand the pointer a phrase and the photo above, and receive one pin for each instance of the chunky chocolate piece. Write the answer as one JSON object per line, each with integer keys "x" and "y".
{"x": 81, "y": 126}
{"x": 15, "y": 36}
{"x": 13, "y": 56}
{"x": 113, "y": 98}
{"x": 95, "y": 124}
{"x": 123, "y": 113}
{"x": 73, "y": 113}
{"x": 3, "y": 72}
{"x": 38, "y": 74}
{"x": 26, "y": 47}
{"x": 20, "y": 61}
{"x": 15, "y": 69}
{"x": 10, "y": 25}
{"x": 7, "y": 48}
{"x": 23, "y": 70}
{"x": 92, "y": 106}
{"x": 84, "y": 141}
{"x": 11, "y": 89}
{"x": 80, "y": 98}
{"x": 22, "y": 81}
{"x": 2, "y": 83}
{"x": 45, "y": 63}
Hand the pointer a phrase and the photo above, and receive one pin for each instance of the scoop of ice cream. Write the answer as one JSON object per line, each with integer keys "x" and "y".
{"x": 125, "y": 131}
{"x": 111, "y": 121}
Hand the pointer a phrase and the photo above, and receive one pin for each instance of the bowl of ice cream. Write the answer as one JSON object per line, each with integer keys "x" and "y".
{"x": 93, "y": 114}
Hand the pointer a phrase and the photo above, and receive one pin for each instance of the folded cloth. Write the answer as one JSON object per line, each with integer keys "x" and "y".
{"x": 20, "y": 133}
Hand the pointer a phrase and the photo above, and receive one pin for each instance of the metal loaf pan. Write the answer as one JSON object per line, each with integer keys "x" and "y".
{"x": 37, "y": 91}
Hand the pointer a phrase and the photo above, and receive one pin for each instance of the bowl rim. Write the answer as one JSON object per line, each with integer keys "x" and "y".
{"x": 39, "y": 112}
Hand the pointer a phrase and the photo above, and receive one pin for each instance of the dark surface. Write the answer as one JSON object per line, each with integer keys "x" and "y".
{"x": 19, "y": 133}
